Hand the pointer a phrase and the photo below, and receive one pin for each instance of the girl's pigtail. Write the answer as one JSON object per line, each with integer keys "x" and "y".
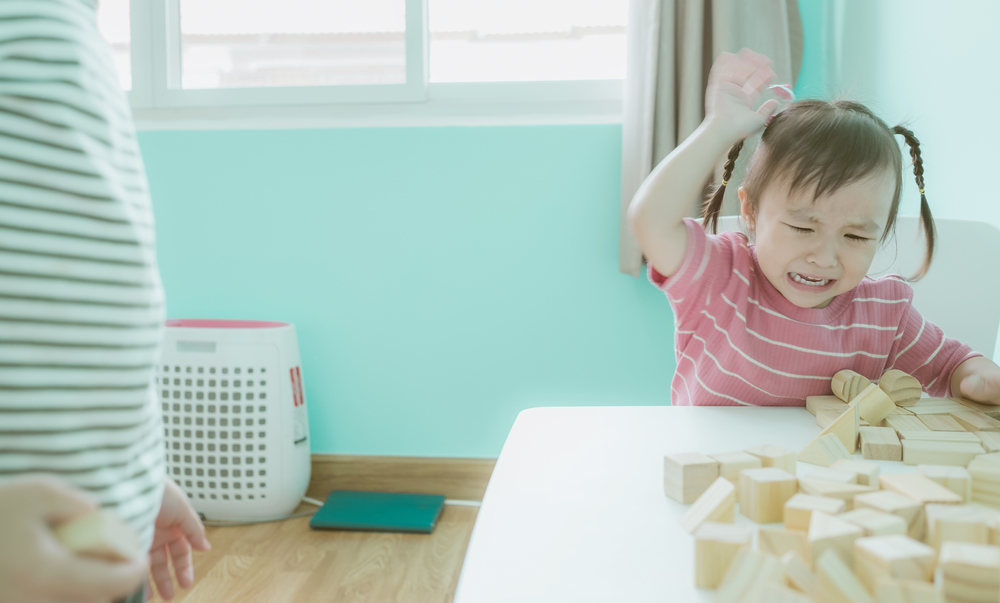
{"x": 926, "y": 220}
{"x": 713, "y": 205}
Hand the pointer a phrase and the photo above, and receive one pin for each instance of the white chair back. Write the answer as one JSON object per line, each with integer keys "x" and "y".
{"x": 960, "y": 293}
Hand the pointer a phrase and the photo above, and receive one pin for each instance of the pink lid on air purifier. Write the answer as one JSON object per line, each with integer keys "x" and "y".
{"x": 212, "y": 323}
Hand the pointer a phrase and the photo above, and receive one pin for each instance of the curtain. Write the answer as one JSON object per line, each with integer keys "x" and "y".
{"x": 671, "y": 47}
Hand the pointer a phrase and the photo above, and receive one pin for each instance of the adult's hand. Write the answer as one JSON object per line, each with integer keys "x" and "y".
{"x": 35, "y": 567}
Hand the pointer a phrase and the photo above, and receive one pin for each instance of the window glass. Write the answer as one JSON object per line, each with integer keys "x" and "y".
{"x": 113, "y": 21}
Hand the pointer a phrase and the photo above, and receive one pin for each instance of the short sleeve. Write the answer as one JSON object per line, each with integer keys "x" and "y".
{"x": 709, "y": 262}
{"x": 921, "y": 349}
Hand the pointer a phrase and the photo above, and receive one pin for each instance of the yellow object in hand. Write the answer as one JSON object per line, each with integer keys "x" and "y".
{"x": 100, "y": 534}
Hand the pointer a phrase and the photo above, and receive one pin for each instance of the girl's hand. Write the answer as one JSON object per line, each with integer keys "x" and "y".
{"x": 734, "y": 87}
{"x": 977, "y": 379}
{"x": 178, "y": 530}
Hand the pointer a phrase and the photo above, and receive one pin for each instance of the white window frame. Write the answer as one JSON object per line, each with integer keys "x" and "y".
{"x": 159, "y": 103}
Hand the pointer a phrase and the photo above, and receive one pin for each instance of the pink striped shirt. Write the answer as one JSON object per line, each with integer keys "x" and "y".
{"x": 740, "y": 342}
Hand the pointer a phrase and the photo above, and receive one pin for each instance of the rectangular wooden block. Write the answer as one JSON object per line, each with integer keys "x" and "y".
{"x": 959, "y": 523}
{"x": 867, "y": 472}
{"x": 905, "y": 423}
{"x": 764, "y": 492}
{"x": 816, "y": 403}
{"x": 687, "y": 475}
{"x": 827, "y": 532}
{"x": 894, "y": 556}
{"x": 956, "y": 479}
{"x": 990, "y": 410}
{"x": 941, "y": 423}
{"x": 970, "y": 572}
{"x": 837, "y": 583}
{"x": 716, "y": 504}
{"x": 775, "y": 456}
{"x": 875, "y": 523}
{"x": 749, "y": 575}
{"x": 990, "y": 440}
{"x": 715, "y": 546}
{"x": 941, "y": 436}
{"x": 920, "y": 452}
{"x": 973, "y": 420}
{"x": 919, "y": 488}
{"x": 935, "y": 406}
{"x": 800, "y": 507}
{"x": 780, "y": 541}
{"x": 732, "y": 463}
{"x": 893, "y": 502}
{"x": 907, "y": 591}
{"x": 880, "y": 444}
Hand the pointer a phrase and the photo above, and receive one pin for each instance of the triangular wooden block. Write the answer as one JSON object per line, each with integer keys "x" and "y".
{"x": 838, "y": 582}
{"x": 825, "y": 450}
{"x": 874, "y": 404}
{"x": 714, "y": 505}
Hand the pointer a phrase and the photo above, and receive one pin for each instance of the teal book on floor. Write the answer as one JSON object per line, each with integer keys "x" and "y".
{"x": 378, "y": 512}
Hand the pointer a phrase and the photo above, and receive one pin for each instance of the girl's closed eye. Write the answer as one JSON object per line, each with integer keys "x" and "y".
{"x": 858, "y": 239}
{"x": 798, "y": 229}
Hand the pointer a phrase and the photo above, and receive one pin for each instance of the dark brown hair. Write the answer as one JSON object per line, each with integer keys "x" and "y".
{"x": 824, "y": 146}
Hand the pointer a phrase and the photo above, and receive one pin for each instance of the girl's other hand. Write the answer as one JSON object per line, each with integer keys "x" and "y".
{"x": 178, "y": 531}
{"x": 735, "y": 84}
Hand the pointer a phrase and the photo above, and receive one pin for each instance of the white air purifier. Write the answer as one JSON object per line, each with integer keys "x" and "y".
{"x": 234, "y": 416}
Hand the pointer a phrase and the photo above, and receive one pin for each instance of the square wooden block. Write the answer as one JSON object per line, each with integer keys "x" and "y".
{"x": 881, "y": 444}
{"x": 799, "y": 509}
{"x": 732, "y": 463}
{"x": 894, "y": 556}
{"x": 775, "y": 456}
{"x": 910, "y": 510}
{"x": 687, "y": 475}
{"x": 764, "y": 492}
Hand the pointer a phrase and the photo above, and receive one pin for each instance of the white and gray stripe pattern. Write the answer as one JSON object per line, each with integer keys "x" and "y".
{"x": 81, "y": 304}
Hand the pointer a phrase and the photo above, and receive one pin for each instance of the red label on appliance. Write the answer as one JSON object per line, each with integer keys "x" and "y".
{"x": 298, "y": 381}
{"x": 295, "y": 387}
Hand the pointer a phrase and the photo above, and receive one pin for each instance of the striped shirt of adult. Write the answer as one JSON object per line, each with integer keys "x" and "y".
{"x": 740, "y": 342}
{"x": 81, "y": 304}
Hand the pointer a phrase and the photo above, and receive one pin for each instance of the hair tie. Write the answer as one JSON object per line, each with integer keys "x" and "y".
{"x": 725, "y": 182}
{"x": 921, "y": 191}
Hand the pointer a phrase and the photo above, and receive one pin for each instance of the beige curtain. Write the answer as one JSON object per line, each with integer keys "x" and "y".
{"x": 671, "y": 47}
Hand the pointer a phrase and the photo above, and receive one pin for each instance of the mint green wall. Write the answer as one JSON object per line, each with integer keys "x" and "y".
{"x": 441, "y": 279}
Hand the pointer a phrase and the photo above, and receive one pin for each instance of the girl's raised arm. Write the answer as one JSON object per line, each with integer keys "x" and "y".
{"x": 659, "y": 206}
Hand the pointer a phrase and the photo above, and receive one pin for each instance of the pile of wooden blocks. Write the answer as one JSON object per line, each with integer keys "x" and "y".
{"x": 851, "y": 534}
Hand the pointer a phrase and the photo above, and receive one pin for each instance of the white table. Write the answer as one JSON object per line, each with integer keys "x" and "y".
{"x": 575, "y": 509}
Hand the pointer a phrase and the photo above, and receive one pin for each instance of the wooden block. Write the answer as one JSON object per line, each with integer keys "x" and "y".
{"x": 778, "y": 593}
{"x": 941, "y": 423}
{"x": 894, "y": 556}
{"x": 960, "y": 523}
{"x": 764, "y": 492}
{"x": 779, "y": 542}
{"x": 973, "y": 420}
{"x": 845, "y": 492}
{"x": 899, "y": 410}
{"x": 990, "y": 410}
{"x": 907, "y": 591}
{"x": 829, "y": 474}
{"x": 990, "y": 440}
{"x": 895, "y": 503}
{"x": 825, "y": 450}
{"x": 687, "y": 475}
{"x": 797, "y": 573}
{"x": 837, "y": 583}
{"x": 826, "y": 417}
{"x": 901, "y": 387}
{"x": 919, "y": 488}
{"x": 847, "y": 384}
{"x": 874, "y": 404}
{"x": 800, "y": 507}
{"x": 775, "y": 456}
{"x": 716, "y": 504}
{"x": 715, "y": 546}
{"x": 875, "y": 523}
{"x": 827, "y": 532}
{"x": 867, "y": 472}
{"x": 935, "y": 406}
{"x": 732, "y": 463}
{"x": 750, "y": 573}
{"x": 918, "y": 452}
{"x": 970, "y": 572}
{"x": 941, "y": 436}
{"x": 905, "y": 423}
{"x": 817, "y": 403}
{"x": 100, "y": 534}
{"x": 880, "y": 444}
{"x": 956, "y": 479}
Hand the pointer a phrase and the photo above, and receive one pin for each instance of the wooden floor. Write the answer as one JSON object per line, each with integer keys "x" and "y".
{"x": 287, "y": 562}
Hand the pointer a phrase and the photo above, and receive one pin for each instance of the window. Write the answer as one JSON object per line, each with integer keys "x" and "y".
{"x": 442, "y": 60}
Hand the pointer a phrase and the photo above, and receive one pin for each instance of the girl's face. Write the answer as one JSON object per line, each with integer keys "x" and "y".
{"x": 812, "y": 251}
